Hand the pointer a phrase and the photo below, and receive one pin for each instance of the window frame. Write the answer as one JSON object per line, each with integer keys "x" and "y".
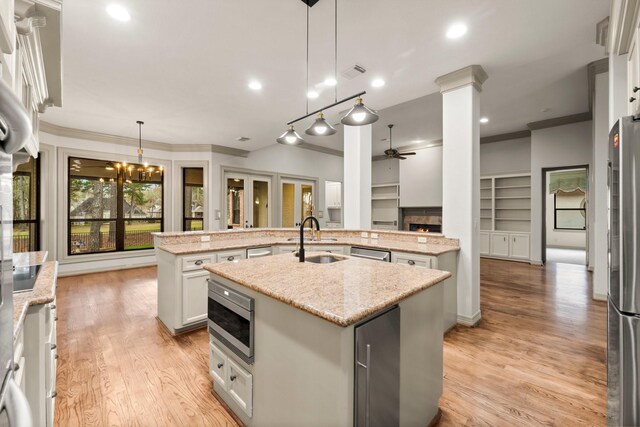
{"x": 184, "y": 201}
{"x": 36, "y": 220}
{"x": 555, "y": 215}
{"x": 120, "y": 219}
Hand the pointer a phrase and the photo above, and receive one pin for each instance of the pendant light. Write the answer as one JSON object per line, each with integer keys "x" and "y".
{"x": 360, "y": 115}
{"x": 320, "y": 127}
{"x": 290, "y": 137}
{"x": 140, "y": 123}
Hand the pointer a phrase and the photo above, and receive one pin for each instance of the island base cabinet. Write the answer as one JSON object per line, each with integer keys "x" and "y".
{"x": 231, "y": 379}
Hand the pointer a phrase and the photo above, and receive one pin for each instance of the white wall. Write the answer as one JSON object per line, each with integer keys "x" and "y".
{"x": 421, "y": 178}
{"x": 275, "y": 158}
{"x": 511, "y": 156}
{"x": 568, "y": 145}
{"x": 385, "y": 171}
{"x": 573, "y": 239}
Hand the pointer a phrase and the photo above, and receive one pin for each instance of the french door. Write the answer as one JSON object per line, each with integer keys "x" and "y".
{"x": 248, "y": 201}
{"x": 297, "y": 201}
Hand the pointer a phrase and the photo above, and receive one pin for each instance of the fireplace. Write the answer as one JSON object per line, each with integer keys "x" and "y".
{"x": 422, "y": 220}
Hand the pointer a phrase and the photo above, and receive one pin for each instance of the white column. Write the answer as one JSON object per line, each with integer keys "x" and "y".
{"x": 598, "y": 193}
{"x": 357, "y": 177}
{"x": 461, "y": 180}
{"x": 619, "y": 92}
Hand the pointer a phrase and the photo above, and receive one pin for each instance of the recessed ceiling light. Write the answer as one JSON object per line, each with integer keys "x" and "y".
{"x": 312, "y": 94}
{"x": 118, "y": 12}
{"x": 255, "y": 85}
{"x": 377, "y": 83}
{"x": 330, "y": 81}
{"x": 456, "y": 31}
{"x": 484, "y": 120}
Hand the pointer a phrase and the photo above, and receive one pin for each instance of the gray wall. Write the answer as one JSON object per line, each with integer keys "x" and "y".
{"x": 511, "y": 156}
{"x": 385, "y": 171}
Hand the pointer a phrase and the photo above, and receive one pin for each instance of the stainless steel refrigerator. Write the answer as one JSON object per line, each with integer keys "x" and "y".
{"x": 15, "y": 129}
{"x": 623, "y": 350}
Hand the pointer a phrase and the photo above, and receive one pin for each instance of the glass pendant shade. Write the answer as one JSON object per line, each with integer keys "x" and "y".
{"x": 290, "y": 137}
{"x": 320, "y": 127}
{"x": 360, "y": 115}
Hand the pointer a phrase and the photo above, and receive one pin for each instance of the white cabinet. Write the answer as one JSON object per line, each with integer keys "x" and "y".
{"x": 385, "y": 211}
{"x": 194, "y": 296}
{"x": 485, "y": 243}
{"x": 414, "y": 259}
{"x": 240, "y": 386}
{"x": 519, "y": 246}
{"x": 191, "y": 263}
{"x": 229, "y": 376}
{"x": 500, "y": 244}
{"x": 333, "y": 196}
{"x": 231, "y": 256}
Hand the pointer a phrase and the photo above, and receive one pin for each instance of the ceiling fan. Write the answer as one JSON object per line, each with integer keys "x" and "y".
{"x": 392, "y": 153}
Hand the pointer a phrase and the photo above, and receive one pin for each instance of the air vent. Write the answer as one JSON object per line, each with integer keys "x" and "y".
{"x": 242, "y": 138}
{"x": 353, "y": 72}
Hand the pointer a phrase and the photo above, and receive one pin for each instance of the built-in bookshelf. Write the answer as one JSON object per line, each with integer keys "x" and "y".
{"x": 505, "y": 203}
{"x": 385, "y": 206}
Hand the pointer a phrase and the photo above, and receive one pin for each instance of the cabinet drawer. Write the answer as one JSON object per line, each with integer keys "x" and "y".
{"x": 231, "y": 256}
{"x": 288, "y": 249}
{"x": 191, "y": 263}
{"x": 413, "y": 259}
{"x": 240, "y": 386}
{"x": 218, "y": 366}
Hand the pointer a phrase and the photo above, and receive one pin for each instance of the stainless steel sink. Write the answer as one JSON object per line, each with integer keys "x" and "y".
{"x": 323, "y": 259}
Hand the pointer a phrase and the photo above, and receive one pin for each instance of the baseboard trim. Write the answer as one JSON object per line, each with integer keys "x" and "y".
{"x": 469, "y": 321}
{"x": 599, "y": 297}
{"x": 104, "y": 269}
{"x": 536, "y": 263}
{"x": 436, "y": 419}
{"x": 505, "y": 258}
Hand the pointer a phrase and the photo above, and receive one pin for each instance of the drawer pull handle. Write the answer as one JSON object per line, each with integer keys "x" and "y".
{"x": 55, "y": 319}
{"x": 53, "y": 346}
{"x": 56, "y": 356}
{"x": 16, "y": 367}
{"x": 232, "y": 377}
{"x": 220, "y": 365}
{"x": 198, "y": 262}
{"x": 231, "y": 258}
{"x": 53, "y": 394}
{"x": 52, "y": 306}
{"x": 411, "y": 262}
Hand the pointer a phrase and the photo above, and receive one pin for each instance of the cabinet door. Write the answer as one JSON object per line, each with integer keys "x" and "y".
{"x": 485, "y": 244}
{"x": 194, "y": 297}
{"x": 519, "y": 246}
{"x": 633, "y": 79}
{"x": 240, "y": 386}
{"x": 218, "y": 366}
{"x": 500, "y": 244}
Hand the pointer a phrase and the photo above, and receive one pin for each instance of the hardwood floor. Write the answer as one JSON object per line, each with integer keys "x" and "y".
{"x": 537, "y": 357}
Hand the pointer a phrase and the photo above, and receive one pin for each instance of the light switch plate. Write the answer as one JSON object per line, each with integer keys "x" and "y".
{"x": 374, "y": 235}
{"x": 206, "y": 238}
{"x": 364, "y": 235}
{"x": 422, "y": 239}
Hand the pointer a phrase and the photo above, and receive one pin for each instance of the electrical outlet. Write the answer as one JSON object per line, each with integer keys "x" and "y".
{"x": 206, "y": 238}
{"x": 364, "y": 235}
{"x": 374, "y": 235}
{"x": 422, "y": 239}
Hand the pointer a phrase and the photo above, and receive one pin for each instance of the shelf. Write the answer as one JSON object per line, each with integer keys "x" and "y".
{"x": 513, "y": 186}
{"x": 385, "y": 198}
{"x": 513, "y": 219}
{"x": 513, "y": 209}
{"x": 485, "y": 198}
{"x": 513, "y": 197}
{"x": 485, "y": 217}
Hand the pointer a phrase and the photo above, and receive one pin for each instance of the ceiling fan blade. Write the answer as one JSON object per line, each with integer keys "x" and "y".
{"x": 401, "y": 158}
{"x": 407, "y": 154}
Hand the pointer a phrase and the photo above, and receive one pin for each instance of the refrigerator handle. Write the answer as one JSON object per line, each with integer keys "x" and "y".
{"x": 367, "y": 388}
{"x": 16, "y": 405}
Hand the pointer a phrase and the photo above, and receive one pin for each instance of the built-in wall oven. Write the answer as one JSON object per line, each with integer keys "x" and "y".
{"x": 231, "y": 319}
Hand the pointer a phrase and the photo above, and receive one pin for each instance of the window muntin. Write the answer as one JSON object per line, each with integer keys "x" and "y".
{"x": 26, "y": 206}
{"x": 570, "y": 210}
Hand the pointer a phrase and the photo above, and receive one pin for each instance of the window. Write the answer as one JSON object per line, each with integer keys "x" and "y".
{"x": 569, "y": 209}
{"x": 192, "y": 199}
{"x": 26, "y": 206}
{"x": 113, "y": 208}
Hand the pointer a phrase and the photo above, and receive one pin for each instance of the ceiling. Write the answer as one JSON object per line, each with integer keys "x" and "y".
{"x": 185, "y": 70}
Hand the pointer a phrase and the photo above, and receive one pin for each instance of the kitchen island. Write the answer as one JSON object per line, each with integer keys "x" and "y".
{"x": 330, "y": 343}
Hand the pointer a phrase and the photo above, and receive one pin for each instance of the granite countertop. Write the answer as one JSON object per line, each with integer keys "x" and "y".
{"x": 44, "y": 290}
{"x": 343, "y": 292}
{"x": 388, "y": 245}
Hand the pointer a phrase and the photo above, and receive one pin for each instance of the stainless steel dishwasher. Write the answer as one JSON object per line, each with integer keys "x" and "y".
{"x": 259, "y": 252}
{"x": 373, "y": 254}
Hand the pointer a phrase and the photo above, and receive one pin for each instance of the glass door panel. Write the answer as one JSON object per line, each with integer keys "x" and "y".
{"x": 288, "y": 205}
{"x": 297, "y": 202}
{"x": 260, "y": 199}
{"x": 236, "y": 203}
{"x": 306, "y": 192}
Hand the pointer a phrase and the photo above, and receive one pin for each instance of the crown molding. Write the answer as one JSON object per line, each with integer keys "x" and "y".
{"x": 623, "y": 31}
{"x": 505, "y": 136}
{"x": 602, "y": 34}
{"x": 133, "y": 142}
{"x": 471, "y": 75}
{"x": 560, "y": 121}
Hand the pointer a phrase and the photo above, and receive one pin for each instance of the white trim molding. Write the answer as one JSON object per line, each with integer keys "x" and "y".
{"x": 470, "y": 321}
{"x": 471, "y": 75}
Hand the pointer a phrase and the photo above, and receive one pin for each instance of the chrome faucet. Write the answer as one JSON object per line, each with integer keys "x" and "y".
{"x": 313, "y": 219}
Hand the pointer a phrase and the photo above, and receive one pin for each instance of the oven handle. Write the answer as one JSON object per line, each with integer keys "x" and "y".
{"x": 230, "y": 305}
